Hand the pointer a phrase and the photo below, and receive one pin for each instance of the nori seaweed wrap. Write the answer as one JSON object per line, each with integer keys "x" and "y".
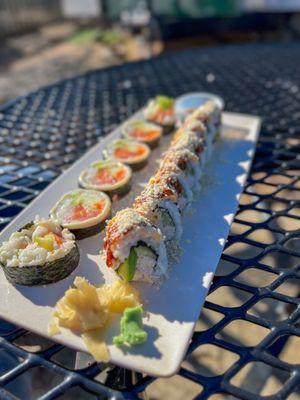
{"x": 40, "y": 253}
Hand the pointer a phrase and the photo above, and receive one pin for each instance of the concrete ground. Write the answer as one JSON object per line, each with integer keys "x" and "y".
{"x": 60, "y": 51}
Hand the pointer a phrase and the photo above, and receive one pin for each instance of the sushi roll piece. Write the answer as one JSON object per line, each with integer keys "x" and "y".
{"x": 135, "y": 248}
{"x": 201, "y": 132}
{"x": 172, "y": 177}
{"x": 144, "y": 132}
{"x": 158, "y": 204}
{"x": 189, "y": 140}
{"x": 187, "y": 162}
{"x": 40, "y": 253}
{"x": 109, "y": 176}
{"x": 210, "y": 115}
{"x": 130, "y": 152}
{"x": 82, "y": 211}
{"x": 160, "y": 110}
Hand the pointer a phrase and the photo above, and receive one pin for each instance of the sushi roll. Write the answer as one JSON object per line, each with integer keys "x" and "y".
{"x": 199, "y": 129}
{"x": 158, "y": 204}
{"x": 40, "y": 253}
{"x": 170, "y": 176}
{"x": 135, "y": 248}
{"x": 109, "y": 176}
{"x": 189, "y": 140}
{"x": 82, "y": 211}
{"x": 144, "y": 132}
{"x": 187, "y": 162}
{"x": 210, "y": 115}
{"x": 160, "y": 110}
{"x": 130, "y": 152}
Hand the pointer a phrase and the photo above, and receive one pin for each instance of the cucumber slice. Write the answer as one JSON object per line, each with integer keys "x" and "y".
{"x": 144, "y": 251}
{"x": 127, "y": 268}
{"x": 166, "y": 218}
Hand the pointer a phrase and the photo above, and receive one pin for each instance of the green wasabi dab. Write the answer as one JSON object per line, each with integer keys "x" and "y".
{"x": 131, "y": 325}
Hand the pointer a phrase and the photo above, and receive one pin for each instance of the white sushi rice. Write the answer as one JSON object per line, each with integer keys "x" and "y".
{"x": 185, "y": 201}
{"x": 166, "y": 230}
{"x": 20, "y": 250}
{"x": 145, "y": 270}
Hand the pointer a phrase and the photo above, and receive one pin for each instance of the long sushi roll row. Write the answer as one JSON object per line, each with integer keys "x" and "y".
{"x": 137, "y": 238}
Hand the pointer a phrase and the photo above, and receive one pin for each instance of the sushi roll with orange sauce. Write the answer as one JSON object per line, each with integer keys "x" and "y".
{"x": 135, "y": 248}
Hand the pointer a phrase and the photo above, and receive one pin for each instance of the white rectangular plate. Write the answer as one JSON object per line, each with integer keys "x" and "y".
{"x": 172, "y": 310}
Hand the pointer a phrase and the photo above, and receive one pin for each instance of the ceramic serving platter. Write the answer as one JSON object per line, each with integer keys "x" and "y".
{"x": 173, "y": 309}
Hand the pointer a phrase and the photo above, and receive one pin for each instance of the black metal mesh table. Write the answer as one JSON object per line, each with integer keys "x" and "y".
{"x": 43, "y": 133}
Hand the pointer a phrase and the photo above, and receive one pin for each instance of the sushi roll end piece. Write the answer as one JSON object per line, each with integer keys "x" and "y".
{"x": 135, "y": 248}
{"x": 83, "y": 212}
{"x": 40, "y": 253}
{"x": 144, "y": 132}
{"x": 160, "y": 110}
{"x": 130, "y": 152}
{"x": 109, "y": 176}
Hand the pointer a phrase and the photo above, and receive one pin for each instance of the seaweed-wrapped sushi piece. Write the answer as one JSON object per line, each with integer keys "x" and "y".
{"x": 135, "y": 248}
{"x": 130, "y": 152}
{"x": 143, "y": 131}
{"x": 40, "y": 253}
{"x": 112, "y": 177}
{"x": 82, "y": 211}
{"x": 160, "y": 110}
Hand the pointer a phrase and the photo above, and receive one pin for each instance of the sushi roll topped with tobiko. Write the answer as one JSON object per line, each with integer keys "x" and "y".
{"x": 112, "y": 177}
{"x": 41, "y": 252}
{"x": 135, "y": 248}
{"x": 130, "y": 152}
{"x": 160, "y": 110}
{"x": 143, "y": 131}
{"x": 83, "y": 212}
{"x": 158, "y": 203}
{"x": 171, "y": 176}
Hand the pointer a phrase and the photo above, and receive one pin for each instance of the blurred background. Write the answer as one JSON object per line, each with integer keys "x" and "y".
{"x": 42, "y": 41}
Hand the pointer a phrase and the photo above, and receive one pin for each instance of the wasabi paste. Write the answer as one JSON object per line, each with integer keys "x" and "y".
{"x": 131, "y": 325}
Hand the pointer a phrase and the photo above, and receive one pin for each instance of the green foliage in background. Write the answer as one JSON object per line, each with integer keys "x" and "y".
{"x": 110, "y": 37}
{"x": 85, "y": 35}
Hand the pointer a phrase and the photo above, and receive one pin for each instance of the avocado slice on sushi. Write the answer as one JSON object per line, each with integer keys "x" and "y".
{"x": 144, "y": 132}
{"x": 160, "y": 110}
{"x": 137, "y": 257}
{"x": 82, "y": 211}
{"x": 40, "y": 253}
{"x": 127, "y": 268}
{"x": 130, "y": 152}
{"x": 112, "y": 177}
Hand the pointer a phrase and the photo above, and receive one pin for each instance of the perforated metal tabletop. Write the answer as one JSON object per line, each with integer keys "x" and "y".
{"x": 43, "y": 133}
